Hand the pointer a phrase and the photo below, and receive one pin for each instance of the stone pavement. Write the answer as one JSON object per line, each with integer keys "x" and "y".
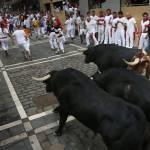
{"x": 27, "y": 121}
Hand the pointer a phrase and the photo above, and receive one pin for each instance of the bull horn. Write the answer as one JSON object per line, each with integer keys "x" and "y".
{"x": 135, "y": 62}
{"x": 43, "y": 78}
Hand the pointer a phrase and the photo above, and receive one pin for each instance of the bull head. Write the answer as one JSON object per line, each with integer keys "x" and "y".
{"x": 47, "y": 80}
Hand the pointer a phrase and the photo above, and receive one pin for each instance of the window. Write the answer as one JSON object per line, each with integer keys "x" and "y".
{"x": 95, "y": 3}
{"x": 135, "y": 2}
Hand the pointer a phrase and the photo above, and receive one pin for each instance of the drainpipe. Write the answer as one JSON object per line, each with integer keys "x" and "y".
{"x": 121, "y": 4}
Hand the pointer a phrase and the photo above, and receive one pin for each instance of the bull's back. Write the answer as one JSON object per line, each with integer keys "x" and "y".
{"x": 128, "y": 85}
{"x": 112, "y": 56}
{"x": 116, "y": 120}
{"x": 91, "y": 106}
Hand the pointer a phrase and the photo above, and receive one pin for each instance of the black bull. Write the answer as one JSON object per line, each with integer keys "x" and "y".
{"x": 128, "y": 85}
{"x": 107, "y": 56}
{"x": 121, "y": 124}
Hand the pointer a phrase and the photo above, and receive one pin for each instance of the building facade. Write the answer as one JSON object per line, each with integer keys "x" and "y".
{"x": 20, "y": 5}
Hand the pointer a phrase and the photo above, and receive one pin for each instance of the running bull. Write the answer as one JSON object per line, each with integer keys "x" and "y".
{"x": 107, "y": 56}
{"x": 127, "y": 85}
{"x": 121, "y": 124}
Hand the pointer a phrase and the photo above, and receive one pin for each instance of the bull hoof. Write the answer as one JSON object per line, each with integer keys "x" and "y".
{"x": 56, "y": 110}
{"x": 58, "y": 133}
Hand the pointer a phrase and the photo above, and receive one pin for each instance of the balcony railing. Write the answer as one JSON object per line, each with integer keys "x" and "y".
{"x": 135, "y": 2}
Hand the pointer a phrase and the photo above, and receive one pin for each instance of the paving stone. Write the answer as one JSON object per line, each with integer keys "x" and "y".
{"x": 57, "y": 147}
{"x": 8, "y": 111}
{"x": 21, "y": 145}
{"x": 11, "y": 132}
{"x": 38, "y": 123}
{"x": 42, "y": 137}
{"x": 46, "y": 146}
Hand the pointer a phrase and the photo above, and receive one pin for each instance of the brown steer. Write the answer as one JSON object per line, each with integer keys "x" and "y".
{"x": 140, "y": 64}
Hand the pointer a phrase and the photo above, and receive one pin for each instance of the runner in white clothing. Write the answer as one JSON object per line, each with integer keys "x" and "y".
{"x": 130, "y": 31}
{"x": 4, "y": 37}
{"x": 82, "y": 31}
{"x": 69, "y": 27}
{"x": 101, "y": 27}
{"x": 91, "y": 30}
{"x": 108, "y": 19}
{"x": 96, "y": 18}
{"x": 120, "y": 32}
{"x": 114, "y": 27}
{"x": 143, "y": 43}
{"x": 21, "y": 41}
{"x": 78, "y": 21}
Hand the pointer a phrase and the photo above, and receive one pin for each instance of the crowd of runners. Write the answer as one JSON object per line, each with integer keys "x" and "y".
{"x": 106, "y": 27}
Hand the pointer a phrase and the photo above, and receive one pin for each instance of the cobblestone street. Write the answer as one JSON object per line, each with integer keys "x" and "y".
{"x": 27, "y": 118}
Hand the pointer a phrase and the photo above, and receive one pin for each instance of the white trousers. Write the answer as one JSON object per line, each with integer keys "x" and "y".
{"x": 88, "y": 35}
{"x": 82, "y": 31}
{"x": 107, "y": 35}
{"x": 53, "y": 41}
{"x": 114, "y": 36}
{"x": 42, "y": 30}
{"x": 4, "y": 44}
{"x": 37, "y": 32}
{"x": 143, "y": 43}
{"x": 25, "y": 45}
{"x": 129, "y": 39}
{"x": 28, "y": 44}
{"x": 101, "y": 30}
{"x": 120, "y": 37}
{"x": 70, "y": 33}
{"x": 61, "y": 41}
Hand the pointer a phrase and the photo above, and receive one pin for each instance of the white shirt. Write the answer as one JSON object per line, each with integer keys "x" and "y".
{"x": 73, "y": 19}
{"x": 95, "y": 18}
{"x": 131, "y": 24}
{"x": 71, "y": 9}
{"x": 82, "y": 24}
{"x": 78, "y": 20}
{"x": 27, "y": 22}
{"x": 91, "y": 26}
{"x": 20, "y": 36}
{"x": 2, "y": 34}
{"x": 69, "y": 23}
{"x": 121, "y": 23}
{"x": 144, "y": 24}
{"x": 108, "y": 20}
{"x": 114, "y": 22}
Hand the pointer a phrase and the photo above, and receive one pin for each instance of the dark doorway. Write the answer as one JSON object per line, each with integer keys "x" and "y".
{"x": 47, "y": 7}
